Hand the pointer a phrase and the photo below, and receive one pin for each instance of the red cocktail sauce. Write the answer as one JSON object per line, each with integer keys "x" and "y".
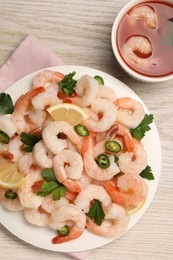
{"x": 161, "y": 39}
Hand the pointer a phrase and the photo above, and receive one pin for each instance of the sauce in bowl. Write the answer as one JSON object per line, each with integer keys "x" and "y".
{"x": 145, "y": 38}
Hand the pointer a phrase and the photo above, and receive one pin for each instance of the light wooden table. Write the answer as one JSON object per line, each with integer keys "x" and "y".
{"x": 79, "y": 32}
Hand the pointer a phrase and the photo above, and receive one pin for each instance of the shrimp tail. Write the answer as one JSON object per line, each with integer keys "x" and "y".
{"x": 6, "y": 155}
{"x": 129, "y": 143}
{"x": 73, "y": 235}
{"x": 71, "y": 185}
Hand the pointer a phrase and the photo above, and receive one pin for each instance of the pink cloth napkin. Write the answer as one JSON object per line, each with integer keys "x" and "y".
{"x": 31, "y": 55}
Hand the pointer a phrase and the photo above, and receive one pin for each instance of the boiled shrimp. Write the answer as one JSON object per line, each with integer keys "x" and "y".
{"x": 138, "y": 49}
{"x": 14, "y": 147}
{"x": 37, "y": 217}
{"x": 7, "y": 126}
{"x": 46, "y": 77}
{"x": 122, "y": 130}
{"x": 71, "y": 216}
{"x": 129, "y": 191}
{"x": 107, "y": 93}
{"x": 10, "y": 204}
{"x": 90, "y": 193}
{"x": 145, "y": 12}
{"x": 50, "y": 205}
{"x": 21, "y": 108}
{"x": 47, "y": 98}
{"x": 56, "y": 145}
{"x": 87, "y": 89}
{"x": 134, "y": 162}
{"x": 130, "y": 112}
{"x": 26, "y": 195}
{"x": 109, "y": 115}
{"x": 84, "y": 181}
{"x": 68, "y": 166}
{"x": 114, "y": 224}
{"x": 99, "y": 148}
{"x": 36, "y": 119}
{"x": 25, "y": 163}
{"x": 42, "y": 156}
{"x": 92, "y": 168}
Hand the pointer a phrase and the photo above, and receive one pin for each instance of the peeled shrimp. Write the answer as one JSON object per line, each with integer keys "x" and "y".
{"x": 71, "y": 216}
{"x": 130, "y": 112}
{"x": 92, "y": 168}
{"x": 36, "y": 119}
{"x": 10, "y": 204}
{"x": 107, "y": 93}
{"x": 141, "y": 45}
{"x": 145, "y": 12}
{"x": 99, "y": 148}
{"x": 47, "y": 98}
{"x": 7, "y": 126}
{"x": 90, "y": 193}
{"x": 87, "y": 88}
{"x": 134, "y": 162}
{"x": 84, "y": 181}
{"x": 41, "y": 155}
{"x": 109, "y": 115}
{"x": 50, "y": 205}
{"x": 25, "y": 163}
{"x": 56, "y": 145}
{"x": 14, "y": 148}
{"x": 68, "y": 166}
{"x": 129, "y": 191}
{"x": 122, "y": 130}
{"x": 114, "y": 224}
{"x": 21, "y": 109}
{"x": 27, "y": 197}
{"x": 46, "y": 77}
{"x": 36, "y": 217}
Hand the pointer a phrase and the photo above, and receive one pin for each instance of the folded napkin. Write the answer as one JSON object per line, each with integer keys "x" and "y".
{"x": 31, "y": 55}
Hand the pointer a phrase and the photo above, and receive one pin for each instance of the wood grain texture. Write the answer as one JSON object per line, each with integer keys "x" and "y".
{"x": 79, "y": 32}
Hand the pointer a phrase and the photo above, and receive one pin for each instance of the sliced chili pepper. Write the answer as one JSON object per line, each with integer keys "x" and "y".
{"x": 113, "y": 146}
{"x": 103, "y": 161}
{"x": 81, "y": 130}
{"x": 4, "y": 138}
{"x": 99, "y": 80}
{"x": 10, "y": 195}
{"x": 64, "y": 231}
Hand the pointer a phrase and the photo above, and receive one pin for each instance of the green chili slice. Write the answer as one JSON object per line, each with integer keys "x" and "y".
{"x": 113, "y": 146}
{"x": 99, "y": 80}
{"x": 81, "y": 130}
{"x": 103, "y": 161}
{"x": 10, "y": 195}
{"x": 4, "y": 138}
{"x": 64, "y": 231}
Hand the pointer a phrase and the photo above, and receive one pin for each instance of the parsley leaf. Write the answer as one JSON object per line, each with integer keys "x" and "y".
{"x": 48, "y": 175}
{"x": 147, "y": 173}
{"x": 96, "y": 212}
{"x": 142, "y": 128}
{"x": 68, "y": 83}
{"x": 6, "y": 104}
{"x": 29, "y": 140}
{"x": 51, "y": 185}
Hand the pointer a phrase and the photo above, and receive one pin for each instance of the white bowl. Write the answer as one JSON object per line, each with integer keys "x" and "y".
{"x": 131, "y": 72}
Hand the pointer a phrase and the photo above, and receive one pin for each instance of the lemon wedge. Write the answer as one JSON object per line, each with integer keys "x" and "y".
{"x": 70, "y": 113}
{"x": 132, "y": 211}
{"x": 10, "y": 177}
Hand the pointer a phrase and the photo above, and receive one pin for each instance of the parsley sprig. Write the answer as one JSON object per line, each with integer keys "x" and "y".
{"x": 6, "y": 104}
{"x": 51, "y": 185}
{"x": 139, "y": 131}
{"x": 147, "y": 173}
{"x": 96, "y": 212}
{"x": 68, "y": 83}
{"x": 29, "y": 140}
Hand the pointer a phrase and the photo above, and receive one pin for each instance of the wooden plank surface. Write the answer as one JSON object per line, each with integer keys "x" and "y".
{"x": 79, "y": 31}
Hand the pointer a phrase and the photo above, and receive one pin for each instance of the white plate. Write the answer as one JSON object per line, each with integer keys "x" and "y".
{"x": 41, "y": 237}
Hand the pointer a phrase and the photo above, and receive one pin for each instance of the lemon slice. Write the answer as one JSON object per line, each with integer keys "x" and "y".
{"x": 10, "y": 177}
{"x": 70, "y": 113}
{"x": 132, "y": 211}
